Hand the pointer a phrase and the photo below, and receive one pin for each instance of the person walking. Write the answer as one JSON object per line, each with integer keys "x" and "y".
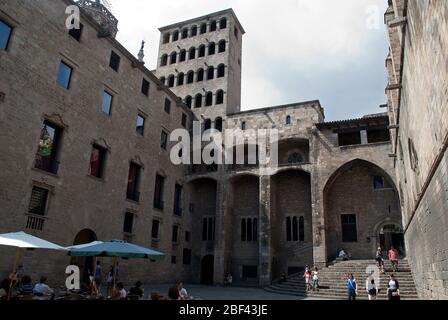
{"x": 315, "y": 279}
{"x": 110, "y": 281}
{"x": 393, "y": 289}
{"x": 379, "y": 258}
{"x": 307, "y": 277}
{"x": 393, "y": 257}
{"x": 98, "y": 276}
{"x": 352, "y": 287}
{"x": 371, "y": 289}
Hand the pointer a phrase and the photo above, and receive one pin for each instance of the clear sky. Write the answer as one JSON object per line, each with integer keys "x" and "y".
{"x": 293, "y": 50}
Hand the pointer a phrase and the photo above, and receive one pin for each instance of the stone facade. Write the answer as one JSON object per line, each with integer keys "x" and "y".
{"x": 334, "y": 186}
{"x": 417, "y": 100}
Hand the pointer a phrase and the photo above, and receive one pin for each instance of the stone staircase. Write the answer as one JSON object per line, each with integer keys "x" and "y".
{"x": 333, "y": 281}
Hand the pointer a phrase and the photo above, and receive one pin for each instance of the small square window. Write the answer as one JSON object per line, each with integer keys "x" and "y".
{"x": 140, "y": 125}
{"x": 76, "y": 33}
{"x": 107, "y": 103}
{"x": 64, "y": 75}
{"x": 5, "y": 35}
{"x": 378, "y": 183}
{"x": 114, "y": 61}
{"x": 128, "y": 225}
{"x": 145, "y": 87}
{"x": 167, "y": 107}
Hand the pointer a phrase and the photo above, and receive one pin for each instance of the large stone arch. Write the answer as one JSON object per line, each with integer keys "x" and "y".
{"x": 354, "y": 206}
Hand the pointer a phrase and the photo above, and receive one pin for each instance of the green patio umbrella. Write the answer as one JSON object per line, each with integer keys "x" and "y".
{"x": 116, "y": 249}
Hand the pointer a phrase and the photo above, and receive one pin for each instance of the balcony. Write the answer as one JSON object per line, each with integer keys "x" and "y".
{"x": 47, "y": 164}
{"x": 35, "y": 222}
{"x": 133, "y": 196}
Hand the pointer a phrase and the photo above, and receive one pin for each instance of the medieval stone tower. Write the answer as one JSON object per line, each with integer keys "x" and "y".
{"x": 200, "y": 61}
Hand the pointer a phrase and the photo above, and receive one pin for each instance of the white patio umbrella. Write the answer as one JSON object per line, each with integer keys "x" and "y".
{"x": 22, "y": 240}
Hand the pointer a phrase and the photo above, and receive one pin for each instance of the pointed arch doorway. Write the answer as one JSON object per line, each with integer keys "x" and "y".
{"x": 392, "y": 235}
{"x": 85, "y": 264}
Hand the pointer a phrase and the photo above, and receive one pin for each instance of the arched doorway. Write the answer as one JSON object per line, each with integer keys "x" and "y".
{"x": 392, "y": 235}
{"x": 85, "y": 264}
{"x": 207, "y": 269}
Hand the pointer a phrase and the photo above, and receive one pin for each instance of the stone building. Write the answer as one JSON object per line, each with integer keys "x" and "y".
{"x": 86, "y": 129}
{"x": 418, "y": 108}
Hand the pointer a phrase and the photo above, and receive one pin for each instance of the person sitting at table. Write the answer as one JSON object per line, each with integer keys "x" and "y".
{"x": 173, "y": 294}
{"x": 137, "y": 290}
{"x": 42, "y": 289}
{"x": 119, "y": 293}
{"x": 26, "y": 286}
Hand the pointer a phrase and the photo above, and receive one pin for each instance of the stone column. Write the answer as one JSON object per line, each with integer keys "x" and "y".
{"x": 319, "y": 239}
{"x": 221, "y": 204}
{"x": 264, "y": 246}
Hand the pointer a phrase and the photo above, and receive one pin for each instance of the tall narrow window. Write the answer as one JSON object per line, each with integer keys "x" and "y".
{"x": 203, "y": 28}
{"x": 302, "y": 229}
{"x": 349, "y": 229}
{"x": 107, "y": 103}
{"x": 243, "y": 230}
{"x": 38, "y": 201}
{"x": 192, "y": 53}
{"x": 288, "y": 120}
{"x": 182, "y": 55}
{"x": 243, "y": 125}
{"x": 164, "y": 140}
{"x": 164, "y": 60}
{"x": 166, "y": 38}
{"x": 184, "y": 33}
{"x": 288, "y": 229}
{"x": 221, "y": 71}
{"x": 178, "y": 200}
{"x": 198, "y": 101}
{"x": 218, "y": 124}
{"x": 64, "y": 75}
{"x": 211, "y": 48}
{"x": 134, "y": 182}
{"x": 128, "y": 224}
{"x": 180, "y": 79}
{"x": 167, "y": 106}
{"x": 255, "y": 230}
{"x": 171, "y": 80}
{"x": 175, "y": 234}
{"x": 114, "y": 62}
{"x": 97, "y": 161}
{"x": 190, "y": 77}
{"x": 222, "y": 46}
{"x": 173, "y": 58}
{"x": 295, "y": 229}
{"x": 209, "y": 99}
{"x": 140, "y": 125}
{"x": 249, "y": 229}
{"x": 76, "y": 33}
{"x": 201, "y": 52}
{"x": 210, "y": 73}
{"x": 145, "y": 87}
{"x": 208, "y": 229}
{"x": 158, "y": 192}
{"x": 200, "y": 75}
{"x": 220, "y": 97}
{"x": 194, "y": 31}
{"x": 155, "y": 229}
{"x": 5, "y": 35}
{"x": 175, "y": 35}
{"x": 207, "y": 124}
{"x": 223, "y": 23}
{"x": 213, "y": 25}
{"x": 48, "y": 149}
{"x": 188, "y": 101}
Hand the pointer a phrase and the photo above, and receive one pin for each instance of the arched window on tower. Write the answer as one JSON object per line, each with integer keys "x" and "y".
{"x": 173, "y": 58}
{"x": 209, "y": 99}
{"x": 190, "y": 77}
{"x": 200, "y": 75}
{"x": 192, "y": 53}
{"x": 166, "y": 38}
{"x": 222, "y": 46}
{"x": 198, "y": 101}
{"x": 184, "y": 33}
{"x": 219, "y": 97}
{"x": 182, "y": 55}
{"x": 180, "y": 79}
{"x": 288, "y": 120}
{"x": 203, "y": 28}
{"x": 201, "y": 52}
{"x": 210, "y": 73}
{"x": 188, "y": 101}
{"x": 213, "y": 25}
{"x": 221, "y": 71}
{"x": 211, "y": 48}
{"x": 207, "y": 124}
{"x": 171, "y": 81}
{"x": 218, "y": 124}
{"x": 175, "y": 35}
{"x": 164, "y": 60}
{"x": 194, "y": 31}
{"x": 223, "y": 23}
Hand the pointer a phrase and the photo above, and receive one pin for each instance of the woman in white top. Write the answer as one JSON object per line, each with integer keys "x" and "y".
{"x": 371, "y": 289}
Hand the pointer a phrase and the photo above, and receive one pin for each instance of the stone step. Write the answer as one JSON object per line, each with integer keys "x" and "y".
{"x": 334, "y": 296}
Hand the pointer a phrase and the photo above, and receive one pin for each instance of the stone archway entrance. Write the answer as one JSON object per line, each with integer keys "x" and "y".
{"x": 207, "y": 270}
{"x": 85, "y": 264}
{"x": 392, "y": 235}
